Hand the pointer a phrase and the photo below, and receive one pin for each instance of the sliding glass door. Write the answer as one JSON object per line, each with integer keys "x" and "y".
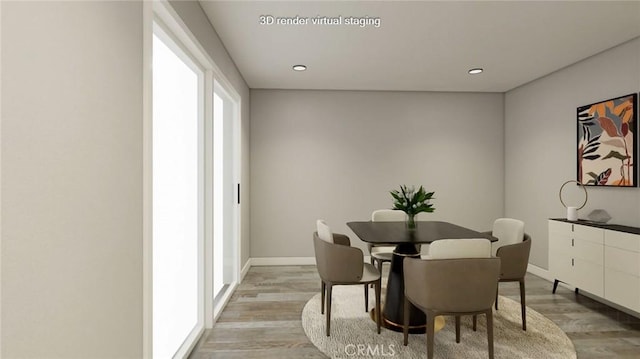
{"x": 178, "y": 253}
{"x": 226, "y": 192}
{"x": 193, "y": 211}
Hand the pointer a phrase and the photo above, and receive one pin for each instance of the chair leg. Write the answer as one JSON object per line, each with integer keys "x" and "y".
{"x": 373, "y": 263}
{"x": 405, "y": 321}
{"x": 378, "y": 307}
{"x": 323, "y": 289}
{"x": 497, "y": 295}
{"x": 475, "y": 322}
{"x": 523, "y": 305}
{"x": 366, "y": 298}
{"x": 430, "y": 330}
{"x": 490, "y": 332}
{"x": 376, "y": 264}
{"x": 457, "y": 329}
{"x": 329, "y": 287}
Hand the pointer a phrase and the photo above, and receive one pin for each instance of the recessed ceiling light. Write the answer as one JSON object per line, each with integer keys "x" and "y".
{"x": 477, "y": 70}
{"x": 299, "y": 67}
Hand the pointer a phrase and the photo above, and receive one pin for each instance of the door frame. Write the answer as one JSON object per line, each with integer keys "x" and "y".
{"x": 163, "y": 11}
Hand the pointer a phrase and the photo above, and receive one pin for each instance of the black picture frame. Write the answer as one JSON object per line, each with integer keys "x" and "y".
{"x": 607, "y": 142}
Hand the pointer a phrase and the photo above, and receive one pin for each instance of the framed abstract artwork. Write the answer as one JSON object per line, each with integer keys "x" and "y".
{"x": 608, "y": 142}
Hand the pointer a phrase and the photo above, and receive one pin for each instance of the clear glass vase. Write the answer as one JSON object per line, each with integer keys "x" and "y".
{"x": 411, "y": 221}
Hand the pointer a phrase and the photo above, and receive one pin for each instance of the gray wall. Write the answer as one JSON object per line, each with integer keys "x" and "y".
{"x": 198, "y": 23}
{"x": 71, "y": 180}
{"x": 336, "y": 154}
{"x": 540, "y": 142}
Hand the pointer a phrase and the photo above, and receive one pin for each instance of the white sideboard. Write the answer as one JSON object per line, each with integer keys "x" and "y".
{"x": 601, "y": 259}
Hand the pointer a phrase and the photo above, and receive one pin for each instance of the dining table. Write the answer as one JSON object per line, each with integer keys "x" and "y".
{"x": 405, "y": 239}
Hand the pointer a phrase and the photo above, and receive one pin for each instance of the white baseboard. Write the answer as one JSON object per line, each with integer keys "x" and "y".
{"x": 245, "y": 270}
{"x": 304, "y": 261}
{"x": 545, "y": 274}
{"x": 540, "y": 272}
{"x": 283, "y": 261}
{"x": 223, "y": 302}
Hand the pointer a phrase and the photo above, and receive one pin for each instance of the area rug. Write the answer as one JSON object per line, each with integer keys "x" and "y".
{"x": 353, "y": 333}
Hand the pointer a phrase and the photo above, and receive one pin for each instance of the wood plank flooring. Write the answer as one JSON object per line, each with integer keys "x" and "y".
{"x": 262, "y": 319}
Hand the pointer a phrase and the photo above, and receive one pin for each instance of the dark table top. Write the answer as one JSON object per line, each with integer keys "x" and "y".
{"x": 391, "y": 233}
{"x": 613, "y": 227}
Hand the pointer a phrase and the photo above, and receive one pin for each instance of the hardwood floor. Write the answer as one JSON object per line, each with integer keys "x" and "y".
{"x": 262, "y": 319}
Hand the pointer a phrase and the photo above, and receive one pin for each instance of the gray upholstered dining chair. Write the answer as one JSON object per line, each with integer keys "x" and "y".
{"x": 514, "y": 256}
{"x": 382, "y": 254}
{"x": 513, "y": 268}
{"x": 459, "y": 286}
{"x": 460, "y": 248}
{"x": 508, "y": 231}
{"x": 340, "y": 264}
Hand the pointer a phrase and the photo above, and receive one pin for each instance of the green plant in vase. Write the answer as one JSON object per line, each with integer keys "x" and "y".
{"x": 412, "y": 202}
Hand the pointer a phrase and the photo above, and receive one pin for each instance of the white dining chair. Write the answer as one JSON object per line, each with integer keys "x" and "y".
{"x": 382, "y": 254}
{"x": 508, "y": 231}
{"x": 460, "y": 248}
{"x": 422, "y": 217}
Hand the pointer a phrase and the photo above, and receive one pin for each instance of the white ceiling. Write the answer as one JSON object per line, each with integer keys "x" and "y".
{"x": 419, "y": 46}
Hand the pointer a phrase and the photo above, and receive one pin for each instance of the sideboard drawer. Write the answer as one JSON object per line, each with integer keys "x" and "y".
{"x": 561, "y": 244}
{"x": 622, "y": 288}
{"x": 576, "y": 247}
{"x": 590, "y": 234}
{"x": 626, "y": 241}
{"x": 589, "y": 251}
{"x": 622, "y": 261}
{"x": 559, "y": 228}
{"x": 589, "y": 276}
{"x": 562, "y": 266}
